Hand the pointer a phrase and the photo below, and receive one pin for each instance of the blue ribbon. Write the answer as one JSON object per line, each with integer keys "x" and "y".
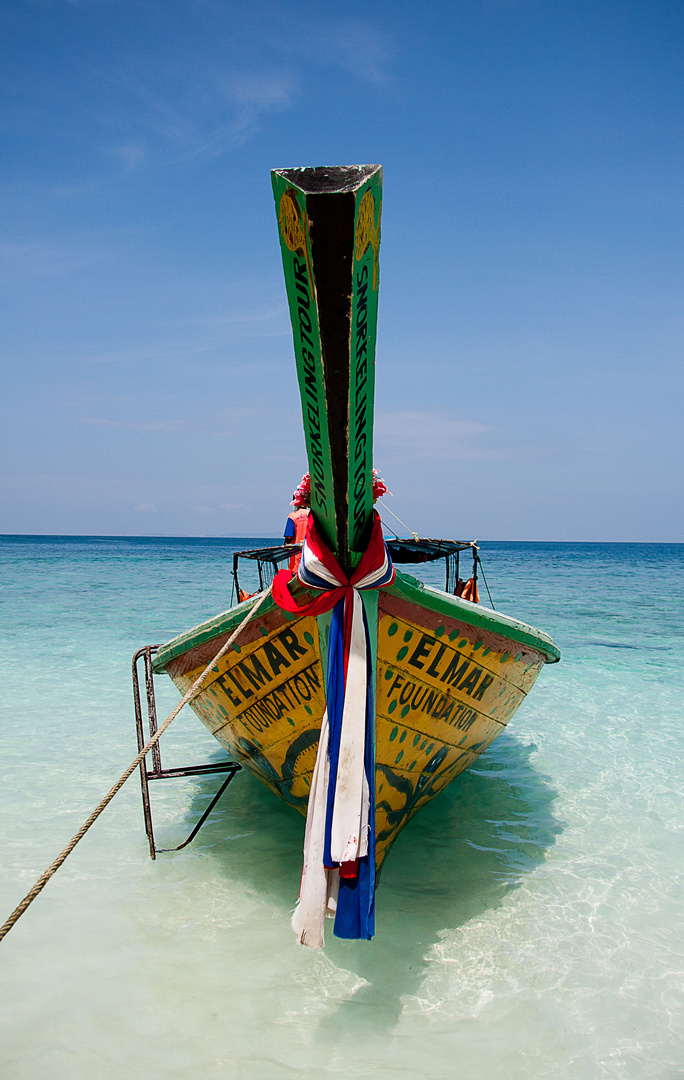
{"x": 355, "y": 916}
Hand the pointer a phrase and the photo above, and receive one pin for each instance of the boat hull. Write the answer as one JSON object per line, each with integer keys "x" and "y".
{"x": 449, "y": 675}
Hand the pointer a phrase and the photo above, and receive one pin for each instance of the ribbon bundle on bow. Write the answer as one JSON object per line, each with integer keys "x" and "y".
{"x": 338, "y": 874}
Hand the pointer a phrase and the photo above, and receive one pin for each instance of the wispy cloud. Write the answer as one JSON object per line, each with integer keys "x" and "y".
{"x": 189, "y": 82}
{"x": 202, "y": 105}
{"x": 406, "y": 435}
{"x": 45, "y": 259}
{"x": 197, "y": 112}
{"x": 254, "y": 95}
{"x": 264, "y": 314}
{"x": 214, "y": 334}
{"x": 86, "y": 4}
{"x": 86, "y": 398}
{"x": 137, "y": 425}
{"x": 131, "y": 155}
{"x": 359, "y": 47}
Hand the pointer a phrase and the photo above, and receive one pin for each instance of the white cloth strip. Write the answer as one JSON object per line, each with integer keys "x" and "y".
{"x": 348, "y": 837}
{"x": 308, "y": 919}
{"x": 313, "y": 565}
{"x": 375, "y": 575}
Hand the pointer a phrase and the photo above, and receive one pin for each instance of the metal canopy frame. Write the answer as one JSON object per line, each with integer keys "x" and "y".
{"x": 416, "y": 550}
{"x": 425, "y": 549}
{"x": 268, "y": 560}
{"x": 158, "y": 772}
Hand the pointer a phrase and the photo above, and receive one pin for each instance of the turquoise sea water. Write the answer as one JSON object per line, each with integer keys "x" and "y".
{"x": 529, "y": 919}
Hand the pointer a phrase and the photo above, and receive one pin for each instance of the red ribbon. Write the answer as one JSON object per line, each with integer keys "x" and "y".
{"x": 326, "y": 600}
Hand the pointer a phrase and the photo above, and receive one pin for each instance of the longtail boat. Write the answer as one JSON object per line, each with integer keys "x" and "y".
{"x": 356, "y": 693}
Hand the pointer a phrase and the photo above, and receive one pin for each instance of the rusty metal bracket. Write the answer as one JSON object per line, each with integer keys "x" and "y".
{"x": 158, "y": 772}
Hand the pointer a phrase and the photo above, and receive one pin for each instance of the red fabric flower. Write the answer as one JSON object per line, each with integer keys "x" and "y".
{"x": 301, "y": 499}
{"x": 379, "y": 486}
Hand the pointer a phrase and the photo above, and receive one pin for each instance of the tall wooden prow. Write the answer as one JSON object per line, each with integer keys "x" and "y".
{"x": 329, "y": 223}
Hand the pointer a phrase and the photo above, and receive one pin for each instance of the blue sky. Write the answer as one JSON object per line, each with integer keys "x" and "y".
{"x": 529, "y": 362}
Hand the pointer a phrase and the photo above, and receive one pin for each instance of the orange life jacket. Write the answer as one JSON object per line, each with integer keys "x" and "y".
{"x": 300, "y": 518}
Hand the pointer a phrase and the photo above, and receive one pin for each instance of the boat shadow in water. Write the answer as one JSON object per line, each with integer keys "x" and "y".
{"x": 459, "y": 857}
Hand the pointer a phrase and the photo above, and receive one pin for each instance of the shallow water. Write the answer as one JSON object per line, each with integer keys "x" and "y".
{"x": 528, "y": 920}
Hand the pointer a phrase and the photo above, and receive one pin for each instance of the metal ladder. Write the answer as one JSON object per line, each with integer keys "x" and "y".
{"x": 157, "y": 772}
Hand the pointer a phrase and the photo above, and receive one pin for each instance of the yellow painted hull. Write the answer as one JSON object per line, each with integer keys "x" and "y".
{"x": 449, "y": 675}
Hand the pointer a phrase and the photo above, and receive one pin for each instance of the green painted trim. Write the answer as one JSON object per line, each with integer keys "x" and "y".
{"x": 405, "y": 586}
{"x": 484, "y": 618}
{"x": 370, "y": 599}
{"x": 227, "y": 621}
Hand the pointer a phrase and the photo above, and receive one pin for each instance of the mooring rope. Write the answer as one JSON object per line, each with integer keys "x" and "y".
{"x": 413, "y": 534}
{"x": 54, "y": 867}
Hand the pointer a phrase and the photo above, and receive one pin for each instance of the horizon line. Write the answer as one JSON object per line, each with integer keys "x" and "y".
{"x": 263, "y": 536}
